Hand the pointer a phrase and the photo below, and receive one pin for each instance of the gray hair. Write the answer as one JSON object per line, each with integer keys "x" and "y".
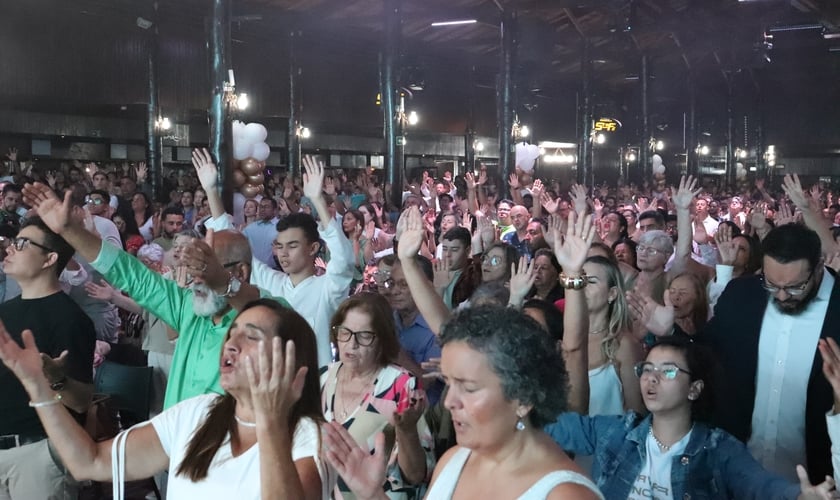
{"x": 519, "y": 352}
{"x": 151, "y": 251}
{"x": 659, "y": 240}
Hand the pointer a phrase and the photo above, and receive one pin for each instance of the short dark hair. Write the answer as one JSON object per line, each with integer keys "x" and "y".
{"x": 381, "y": 321}
{"x": 52, "y": 240}
{"x": 702, "y": 365}
{"x": 424, "y": 263}
{"x": 270, "y": 200}
{"x": 302, "y": 221}
{"x": 101, "y": 192}
{"x": 553, "y": 316}
{"x": 11, "y": 188}
{"x": 656, "y": 215}
{"x": 792, "y": 242}
{"x": 458, "y": 233}
{"x": 171, "y": 211}
{"x": 519, "y": 352}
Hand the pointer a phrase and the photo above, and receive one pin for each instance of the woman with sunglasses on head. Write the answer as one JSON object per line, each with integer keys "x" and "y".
{"x": 367, "y": 393}
{"x": 671, "y": 453}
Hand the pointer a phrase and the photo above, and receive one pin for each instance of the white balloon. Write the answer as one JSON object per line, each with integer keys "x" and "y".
{"x": 526, "y": 154}
{"x": 659, "y": 169}
{"x": 656, "y": 159}
{"x": 261, "y": 151}
{"x": 242, "y": 149}
{"x": 255, "y": 133}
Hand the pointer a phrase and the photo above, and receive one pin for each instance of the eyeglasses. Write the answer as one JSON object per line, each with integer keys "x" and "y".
{"x": 383, "y": 279}
{"x": 793, "y": 291}
{"x": 363, "y": 338}
{"x": 667, "y": 370}
{"x": 95, "y": 201}
{"x": 493, "y": 261}
{"x": 20, "y": 243}
{"x": 648, "y": 250}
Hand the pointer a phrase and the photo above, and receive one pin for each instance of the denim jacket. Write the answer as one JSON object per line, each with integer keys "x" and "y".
{"x": 714, "y": 465}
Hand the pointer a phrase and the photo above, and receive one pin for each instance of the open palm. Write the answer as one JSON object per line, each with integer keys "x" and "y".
{"x": 205, "y": 168}
{"x": 571, "y": 251}
{"x": 363, "y": 472}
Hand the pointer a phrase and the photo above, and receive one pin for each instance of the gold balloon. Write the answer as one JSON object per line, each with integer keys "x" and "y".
{"x": 249, "y": 191}
{"x": 239, "y": 178}
{"x": 256, "y": 180}
{"x": 250, "y": 166}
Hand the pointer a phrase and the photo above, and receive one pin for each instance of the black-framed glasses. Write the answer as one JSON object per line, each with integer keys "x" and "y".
{"x": 793, "y": 291}
{"x": 21, "y": 242}
{"x": 230, "y": 264}
{"x": 344, "y": 334}
{"x": 494, "y": 261}
{"x": 668, "y": 370}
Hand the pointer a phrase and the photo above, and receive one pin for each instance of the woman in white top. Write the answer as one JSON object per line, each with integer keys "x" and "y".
{"x": 613, "y": 352}
{"x": 259, "y": 440}
{"x": 506, "y": 380}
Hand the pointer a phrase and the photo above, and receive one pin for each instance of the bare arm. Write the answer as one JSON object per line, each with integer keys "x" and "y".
{"x": 313, "y": 185}
{"x": 207, "y": 174}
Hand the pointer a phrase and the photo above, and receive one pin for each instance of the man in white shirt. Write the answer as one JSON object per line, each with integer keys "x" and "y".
{"x": 765, "y": 331}
{"x": 316, "y": 298}
{"x": 261, "y": 233}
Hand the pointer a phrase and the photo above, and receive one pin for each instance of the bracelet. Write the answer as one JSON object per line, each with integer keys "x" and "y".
{"x": 40, "y": 404}
{"x": 573, "y": 282}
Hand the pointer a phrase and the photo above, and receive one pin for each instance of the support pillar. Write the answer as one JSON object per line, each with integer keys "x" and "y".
{"x": 505, "y": 102}
{"x": 691, "y": 149}
{"x": 293, "y": 150}
{"x": 153, "y": 139}
{"x": 221, "y": 133}
{"x": 585, "y": 173}
{"x": 644, "y": 147}
{"x": 730, "y": 135}
{"x": 394, "y": 158}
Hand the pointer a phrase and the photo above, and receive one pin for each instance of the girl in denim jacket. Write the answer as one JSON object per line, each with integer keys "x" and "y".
{"x": 671, "y": 454}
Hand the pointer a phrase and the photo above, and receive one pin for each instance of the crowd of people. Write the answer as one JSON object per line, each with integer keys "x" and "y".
{"x": 575, "y": 342}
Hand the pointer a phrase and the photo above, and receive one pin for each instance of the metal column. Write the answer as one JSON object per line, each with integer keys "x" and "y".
{"x": 153, "y": 140}
{"x": 585, "y": 173}
{"x": 691, "y": 148}
{"x": 393, "y": 163}
{"x": 730, "y": 136}
{"x": 644, "y": 147}
{"x": 293, "y": 137}
{"x": 221, "y": 134}
{"x": 505, "y": 102}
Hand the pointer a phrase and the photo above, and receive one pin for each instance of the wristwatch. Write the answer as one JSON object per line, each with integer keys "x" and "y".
{"x": 58, "y": 385}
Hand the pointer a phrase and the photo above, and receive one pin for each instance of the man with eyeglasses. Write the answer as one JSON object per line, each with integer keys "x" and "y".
{"x": 765, "y": 330}
{"x": 518, "y": 238}
{"x": 66, "y": 336}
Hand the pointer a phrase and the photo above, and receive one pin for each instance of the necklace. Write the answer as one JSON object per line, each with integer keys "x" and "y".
{"x": 659, "y": 443}
{"x": 341, "y": 396}
{"x": 245, "y": 423}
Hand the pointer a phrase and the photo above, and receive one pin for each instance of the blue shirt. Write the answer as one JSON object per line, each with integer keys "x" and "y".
{"x": 522, "y": 247}
{"x": 420, "y": 342}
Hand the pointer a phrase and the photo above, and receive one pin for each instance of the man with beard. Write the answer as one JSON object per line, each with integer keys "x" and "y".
{"x": 200, "y": 314}
{"x": 765, "y": 331}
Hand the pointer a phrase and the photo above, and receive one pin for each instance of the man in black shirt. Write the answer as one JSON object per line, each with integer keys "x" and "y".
{"x": 66, "y": 337}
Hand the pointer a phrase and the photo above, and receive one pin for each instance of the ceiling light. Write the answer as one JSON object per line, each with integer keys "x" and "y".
{"x": 454, "y": 23}
{"x": 795, "y": 27}
{"x": 242, "y": 101}
{"x": 413, "y": 118}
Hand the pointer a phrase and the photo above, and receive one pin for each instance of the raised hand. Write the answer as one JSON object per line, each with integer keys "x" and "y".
{"x": 442, "y": 273}
{"x": 482, "y": 177}
{"x": 51, "y": 179}
{"x": 759, "y": 184}
{"x": 597, "y": 207}
{"x": 793, "y": 189}
{"x": 513, "y": 181}
{"x": 313, "y": 177}
{"x": 808, "y": 491}
{"x": 726, "y": 246}
{"x": 537, "y": 189}
{"x": 571, "y": 251}
{"x": 406, "y": 420}
{"x": 411, "y": 237}
{"x": 486, "y": 230}
{"x": 275, "y": 383}
{"x": 362, "y": 472}
{"x": 141, "y": 170}
{"x": 470, "y": 180}
{"x": 55, "y": 213}
{"x": 686, "y": 192}
{"x": 578, "y": 194}
{"x": 467, "y": 221}
{"x": 785, "y": 215}
{"x": 656, "y": 318}
{"x": 432, "y": 370}
{"x": 329, "y": 186}
{"x": 521, "y": 280}
{"x": 548, "y": 204}
{"x": 12, "y": 154}
{"x": 758, "y": 217}
{"x": 205, "y": 169}
{"x": 103, "y": 291}
{"x": 201, "y": 262}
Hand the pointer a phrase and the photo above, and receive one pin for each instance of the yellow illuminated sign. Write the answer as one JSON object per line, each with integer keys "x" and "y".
{"x": 607, "y": 125}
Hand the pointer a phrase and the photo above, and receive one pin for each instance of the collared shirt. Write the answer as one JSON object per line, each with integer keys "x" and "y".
{"x": 786, "y": 350}
{"x": 317, "y": 297}
{"x": 261, "y": 235}
{"x": 512, "y": 238}
{"x": 418, "y": 340}
{"x": 195, "y": 363}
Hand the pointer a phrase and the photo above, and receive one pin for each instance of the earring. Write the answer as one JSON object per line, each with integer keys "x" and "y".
{"x": 520, "y": 423}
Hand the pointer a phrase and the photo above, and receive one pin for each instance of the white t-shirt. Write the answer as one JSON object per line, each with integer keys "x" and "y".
{"x": 229, "y": 476}
{"x": 654, "y": 480}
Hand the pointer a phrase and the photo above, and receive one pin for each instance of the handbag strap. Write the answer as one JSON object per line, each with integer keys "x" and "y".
{"x": 118, "y": 462}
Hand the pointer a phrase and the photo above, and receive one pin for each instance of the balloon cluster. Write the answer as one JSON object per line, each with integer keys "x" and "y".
{"x": 740, "y": 171}
{"x": 658, "y": 166}
{"x": 249, "y": 153}
{"x": 526, "y": 155}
